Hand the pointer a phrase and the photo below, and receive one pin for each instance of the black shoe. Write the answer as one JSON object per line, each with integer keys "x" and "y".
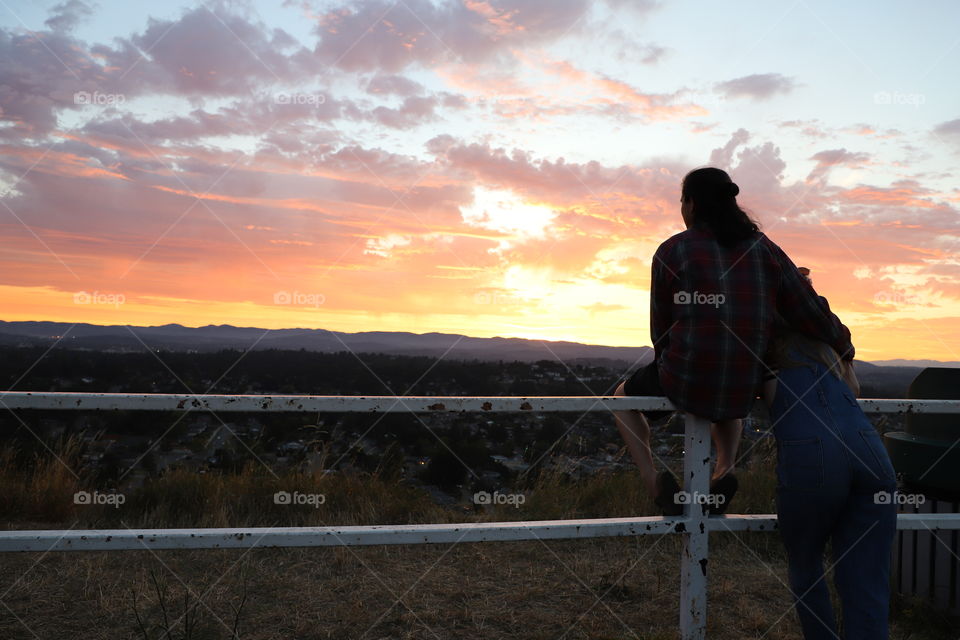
{"x": 725, "y": 487}
{"x": 667, "y": 490}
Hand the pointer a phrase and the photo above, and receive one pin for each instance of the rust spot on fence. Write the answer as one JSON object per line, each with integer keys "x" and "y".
{"x": 526, "y": 406}
{"x": 486, "y": 406}
{"x": 439, "y": 406}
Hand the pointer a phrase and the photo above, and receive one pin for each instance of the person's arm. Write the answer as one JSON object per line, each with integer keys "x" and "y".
{"x": 662, "y": 284}
{"x": 807, "y": 312}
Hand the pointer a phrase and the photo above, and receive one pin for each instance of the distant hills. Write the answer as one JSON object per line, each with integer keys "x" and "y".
{"x": 216, "y": 337}
{"x": 916, "y": 363}
{"x": 449, "y": 345}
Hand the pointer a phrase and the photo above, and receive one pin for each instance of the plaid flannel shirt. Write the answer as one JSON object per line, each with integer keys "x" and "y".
{"x": 712, "y": 313}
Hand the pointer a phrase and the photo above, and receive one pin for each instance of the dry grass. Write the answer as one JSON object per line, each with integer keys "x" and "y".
{"x": 592, "y": 589}
{"x": 589, "y": 589}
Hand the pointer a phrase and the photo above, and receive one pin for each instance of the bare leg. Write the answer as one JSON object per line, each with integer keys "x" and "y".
{"x": 636, "y": 433}
{"x": 726, "y": 437}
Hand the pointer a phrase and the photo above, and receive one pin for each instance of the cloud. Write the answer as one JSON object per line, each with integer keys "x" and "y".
{"x": 723, "y": 157}
{"x": 614, "y": 96}
{"x": 211, "y": 52}
{"x": 39, "y": 74}
{"x": 380, "y": 35}
{"x": 544, "y": 180}
{"x": 205, "y": 52}
{"x": 949, "y": 129}
{"x": 809, "y": 128}
{"x": 826, "y": 160}
{"x": 388, "y": 84}
{"x": 627, "y": 50}
{"x": 66, "y": 15}
{"x": 413, "y": 111}
{"x": 759, "y": 86}
{"x": 546, "y": 87}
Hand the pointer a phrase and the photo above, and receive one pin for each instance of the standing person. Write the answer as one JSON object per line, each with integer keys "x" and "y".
{"x": 714, "y": 292}
{"x": 834, "y": 482}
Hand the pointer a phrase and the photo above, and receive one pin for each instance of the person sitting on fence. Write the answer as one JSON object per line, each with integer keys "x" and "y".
{"x": 834, "y": 482}
{"x": 714, "y": 290}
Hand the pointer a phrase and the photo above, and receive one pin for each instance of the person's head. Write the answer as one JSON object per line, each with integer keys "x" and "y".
{"x": 709, "y": 200}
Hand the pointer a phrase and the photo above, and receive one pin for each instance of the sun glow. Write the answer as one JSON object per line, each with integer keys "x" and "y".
{"x": 505, "y": 211}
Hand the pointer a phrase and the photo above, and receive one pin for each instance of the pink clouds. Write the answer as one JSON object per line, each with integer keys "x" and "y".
{"x": 394, "y": 84}
{"x": 618, "y": 95}
{"x": 581, "y": 93}
{"x": 218, "y": 53}
{"x": 826, "y": 160}
{"x": 901, "y": 196}
{"x": 385, "y": 36}
{"x": 414, "y": 111}
{"x": 202, "y": 53}
{"x": 362, "y": 170}
{"x": 542, "y": 179}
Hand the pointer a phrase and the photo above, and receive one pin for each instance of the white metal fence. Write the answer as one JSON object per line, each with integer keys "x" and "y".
{"x": 693, "y": 525}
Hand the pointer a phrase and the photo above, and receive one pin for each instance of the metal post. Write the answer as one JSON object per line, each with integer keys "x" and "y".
{"x": 693, "y": 559}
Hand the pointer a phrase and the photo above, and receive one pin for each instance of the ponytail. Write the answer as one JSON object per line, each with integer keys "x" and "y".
{"x": 715, "y": 206}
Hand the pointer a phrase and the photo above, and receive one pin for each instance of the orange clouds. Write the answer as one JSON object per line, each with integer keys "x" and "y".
{"x": 202, "y": 195}
{"x": 528, "y": 94}
{"x": 903, "y": 197}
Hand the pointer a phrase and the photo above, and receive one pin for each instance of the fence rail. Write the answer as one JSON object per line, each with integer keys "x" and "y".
{"x": 417, "y": 404}
{"x": 694, "y": 526}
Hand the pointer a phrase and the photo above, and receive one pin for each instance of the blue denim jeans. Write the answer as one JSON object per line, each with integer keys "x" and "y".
{"x": 832, "y": 474}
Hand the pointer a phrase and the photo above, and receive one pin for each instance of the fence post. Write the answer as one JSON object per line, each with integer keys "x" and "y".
{"x": 693, "y": 560}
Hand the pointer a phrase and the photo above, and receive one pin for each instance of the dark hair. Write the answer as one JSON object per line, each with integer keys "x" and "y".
{"x": 715, "y": 206}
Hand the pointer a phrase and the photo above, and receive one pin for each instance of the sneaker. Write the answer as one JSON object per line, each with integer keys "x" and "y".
{"x": 667, "y": 490}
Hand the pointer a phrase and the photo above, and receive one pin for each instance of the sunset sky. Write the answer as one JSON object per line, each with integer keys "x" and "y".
{"x": 475, "y": 167}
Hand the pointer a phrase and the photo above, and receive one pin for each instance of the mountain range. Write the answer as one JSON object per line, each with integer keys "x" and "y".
{"x": 448, "y": 345}
{"x": 216, "y": 337}
{"x": 886, "y": 378}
